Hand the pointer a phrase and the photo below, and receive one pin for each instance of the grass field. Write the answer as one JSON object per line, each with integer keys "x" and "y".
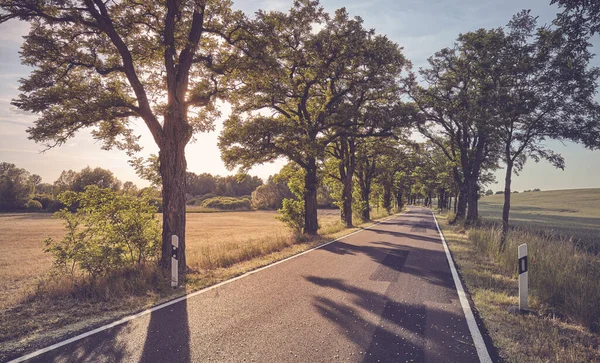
{"x": 562, "y": 213}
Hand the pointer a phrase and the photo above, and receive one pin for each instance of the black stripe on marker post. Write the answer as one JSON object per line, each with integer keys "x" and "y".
{"x": 174, "y": 252}
{"x": 522, "y": 265}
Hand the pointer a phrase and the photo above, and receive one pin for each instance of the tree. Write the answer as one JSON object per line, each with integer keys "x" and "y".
{"x": 130, "y": 188}
{"x": 543, "y": 89}
{"x": 455, "y": 113}
{"x": 373, "y": 113}
{"x": 579, "y": 18}
{"x": 65, "y": 181}
{"x": 101, "y": 64}
{"x": 315, "y": 61}
{"x": 200, "y": 184}
{"x": 102, "y": 178}
{"x": 16, "y": 188}
{"x": 237, "y": 185}
{"x": 271, "y": 195}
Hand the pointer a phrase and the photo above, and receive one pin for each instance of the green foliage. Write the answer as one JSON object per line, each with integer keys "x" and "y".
{"x": 33, "y": 206}
{"x": 108, "y": 231}
{"x": 270, "y": 195}
{"x": 102, "y": 178}
{"x": 292, "y": 209}
{"x": 45, "y": 199}
{"x": 292, "y": 214}
{"x": 16, "y": 188}
{"x": 226, "y": 203}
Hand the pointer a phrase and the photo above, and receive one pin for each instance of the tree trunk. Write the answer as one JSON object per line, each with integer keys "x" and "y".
{"x": 455, "y": 202}
{"x": 506, "y": 208}
{"x": 399, "y": 201}
{"x": 347, "y": 200}
{"x": 311, "y": 225}
{"x": 172, "y": 169}
{"x": 461, "y": 206}
{"x": 473, "y": 202}
{"x": 366, "y": 212}
{"x": 387, "y": 198}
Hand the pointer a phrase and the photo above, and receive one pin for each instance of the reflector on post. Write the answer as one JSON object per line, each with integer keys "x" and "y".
{"x": 174, "y": 261}
{"x": 523, "y": 277}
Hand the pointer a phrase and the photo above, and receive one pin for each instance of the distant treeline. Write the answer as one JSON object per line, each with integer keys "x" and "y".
{"x": 21, "y": 190}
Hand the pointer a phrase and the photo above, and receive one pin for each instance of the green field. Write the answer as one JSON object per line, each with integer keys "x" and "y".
{"x": 573, "y": 213}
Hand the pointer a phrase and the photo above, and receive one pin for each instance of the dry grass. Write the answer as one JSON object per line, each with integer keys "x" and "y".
{"x": 23, "y": 260}
{"x": 219, "y": 246}
{"x": 493, "y": 288}
{"x": 562, "y": 214}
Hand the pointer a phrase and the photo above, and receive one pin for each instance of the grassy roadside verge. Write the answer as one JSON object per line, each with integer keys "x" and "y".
{"x": 47, "y": 318}
{"x": 538, "y": 337}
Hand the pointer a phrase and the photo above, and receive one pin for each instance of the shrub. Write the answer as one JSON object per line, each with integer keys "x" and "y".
{"x": 292, "y": 214}
{"x": 206, "y": 196}
{"x": 194, "y": 201}
{"x": 226, "y": 203}
{"x": 45, "y": 199}
{"x": 107, "y": 232}
{"x": 55, "y": 206}
{"x": 33, "y": 206}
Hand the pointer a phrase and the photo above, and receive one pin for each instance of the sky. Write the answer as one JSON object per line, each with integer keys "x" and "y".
{"x": 420, "y": 27}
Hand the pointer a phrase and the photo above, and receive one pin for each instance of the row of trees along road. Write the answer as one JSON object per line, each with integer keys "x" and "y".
{"x": 315, "y": 88}
{"x": 498, "y": 94}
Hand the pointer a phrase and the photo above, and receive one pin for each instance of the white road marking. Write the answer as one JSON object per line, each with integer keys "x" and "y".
{"x": 482, "y": 352}
{"x": 175, "y": 301}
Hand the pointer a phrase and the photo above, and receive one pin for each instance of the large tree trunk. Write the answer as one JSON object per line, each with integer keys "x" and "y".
{"x": 461, "y": 205}
{"x": 473, "y": 202}
{"x": 172, "y": 169}
{"x": 387, "y": 197}
{"x": 366, "y": 212}
{"x": 346, "y": 169}
{"x": 347, "y": 201}
{"x": 311, "y": 225}
{"x": 506, "y": 208}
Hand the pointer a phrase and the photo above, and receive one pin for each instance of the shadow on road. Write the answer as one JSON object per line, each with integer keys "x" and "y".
{"x": 105, "y": 346}
{"x": 168, "y": 335}
{"x": 390, "y": 330}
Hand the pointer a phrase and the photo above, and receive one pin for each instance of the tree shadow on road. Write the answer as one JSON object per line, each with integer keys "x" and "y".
{"x": 105, "y": 346}
{"x": 389, "y": 330}
{"x": 168, "y": 335}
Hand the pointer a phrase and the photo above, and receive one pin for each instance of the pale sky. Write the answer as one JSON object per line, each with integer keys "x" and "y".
{"x": 420, "y": 27}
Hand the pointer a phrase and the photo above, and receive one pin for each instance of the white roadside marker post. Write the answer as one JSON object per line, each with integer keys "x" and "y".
{"x": 523, "y": 277}
{"x": 174, "y": 261}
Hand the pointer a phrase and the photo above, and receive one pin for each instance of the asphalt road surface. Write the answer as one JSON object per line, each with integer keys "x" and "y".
{"x": 385, "y": 294}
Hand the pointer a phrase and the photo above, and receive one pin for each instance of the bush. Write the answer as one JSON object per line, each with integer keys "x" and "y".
{"x": 292, "y": 214}
{"x": 194, "y": 201}
{"x": 226, "y": 203}
{"x": 55, "y": 206}
{"x": 206, "y": 196}
{"x": 107, "y": 232}
{"x": 45, "y": 199}
{"x": 33, "y": 206}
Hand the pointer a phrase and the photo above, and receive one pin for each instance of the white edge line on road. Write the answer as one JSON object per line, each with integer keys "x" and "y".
{"x": 175, "y": 301}
{"x": 482, "y": 352}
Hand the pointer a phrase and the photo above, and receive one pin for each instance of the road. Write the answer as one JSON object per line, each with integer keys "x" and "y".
{"x": 385, "y": 294}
